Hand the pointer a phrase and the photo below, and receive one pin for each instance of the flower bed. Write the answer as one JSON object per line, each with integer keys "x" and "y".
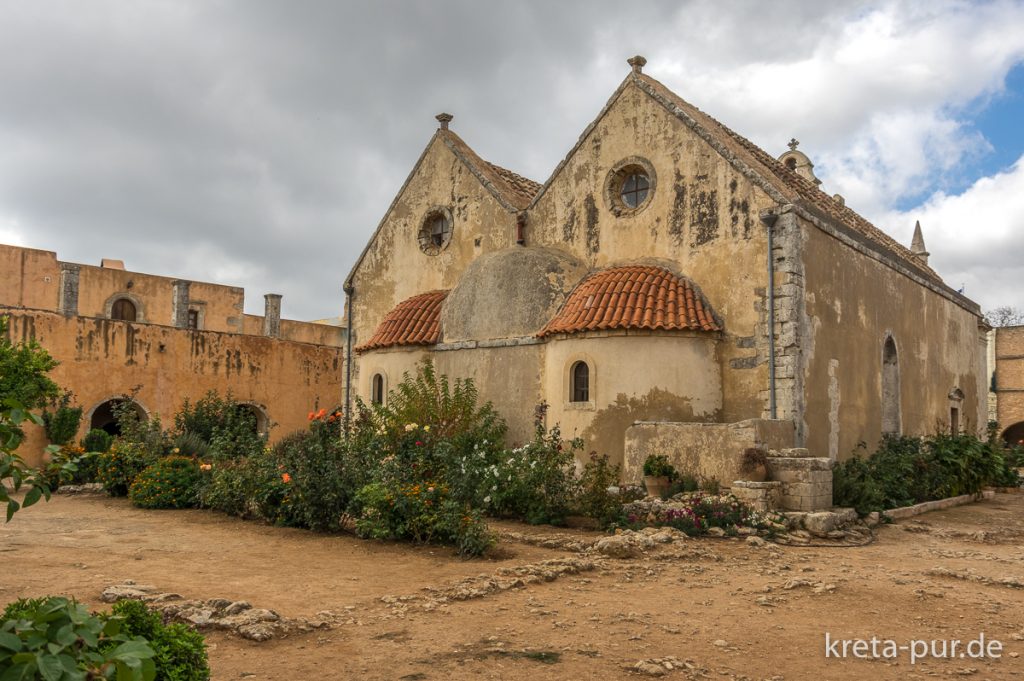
{"x": 696, "y": 513}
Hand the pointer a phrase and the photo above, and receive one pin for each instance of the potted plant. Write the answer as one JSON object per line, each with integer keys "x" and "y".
{"x": 754, "y": 465}
{"x": 658, "y": 475}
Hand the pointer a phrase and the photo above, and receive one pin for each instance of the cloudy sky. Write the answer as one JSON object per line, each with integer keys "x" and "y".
{"x": 258, "y": 143}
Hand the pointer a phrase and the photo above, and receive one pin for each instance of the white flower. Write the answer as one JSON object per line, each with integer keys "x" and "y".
{"x": 487, "y": 499}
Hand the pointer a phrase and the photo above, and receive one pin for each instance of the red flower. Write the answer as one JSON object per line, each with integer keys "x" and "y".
{"x": 418, "y": 443}
{"x": 285, "y": 478}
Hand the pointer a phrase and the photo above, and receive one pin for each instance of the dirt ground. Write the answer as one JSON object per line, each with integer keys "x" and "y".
{"x": 722, "y": 608}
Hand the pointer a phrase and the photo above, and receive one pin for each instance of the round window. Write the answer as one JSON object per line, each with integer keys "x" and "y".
{"x": 634, "y": 189}
{"x": 435, "y": 232}
{"x": 629, "y": 186}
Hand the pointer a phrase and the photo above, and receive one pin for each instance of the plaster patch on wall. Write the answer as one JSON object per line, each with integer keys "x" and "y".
{"x": 833, "y": 408}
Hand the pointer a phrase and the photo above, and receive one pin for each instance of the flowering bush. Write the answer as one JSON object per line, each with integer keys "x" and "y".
{"x": 252, "y": 487}
{"x": 695, "y": 513}
{"x": 421, "y": 513}
{"x": 227, "y": 427}
{"x": 534, "y": 482}
{"x": 172, "y": 482}
{"x": 594, "y": 496}
{"x": 117, "y": 469}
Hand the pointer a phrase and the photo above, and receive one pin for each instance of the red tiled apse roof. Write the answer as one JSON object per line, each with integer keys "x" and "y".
{"x": 633, "y": 297}
{"x": 414, "y": 321}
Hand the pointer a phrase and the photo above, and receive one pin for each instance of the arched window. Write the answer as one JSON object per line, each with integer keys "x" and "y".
{"x": 123, "y": 309}
{"x": 104, "y": 415}
{"x": 377, "y": 389}
{"x": 580, "y": 382}
{"x": 890, "y": 388}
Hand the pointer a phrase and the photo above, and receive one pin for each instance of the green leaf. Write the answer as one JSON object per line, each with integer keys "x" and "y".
{"x": 50, "y": 667}
{"x": 32, "y": 497}
{"x": 20, "y": 672}
{"x": 12, "y": 508}
{"x": 10, "y": 642}
{"x": 137, "y": 648}
{"x": 65, "y": 635}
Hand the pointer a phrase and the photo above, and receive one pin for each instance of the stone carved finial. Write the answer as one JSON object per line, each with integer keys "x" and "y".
{"x": 444, "y": 119}
{"x": 917, "y": 247}
{"x": 637, "y": 63}
{"x": 794, "y": 143}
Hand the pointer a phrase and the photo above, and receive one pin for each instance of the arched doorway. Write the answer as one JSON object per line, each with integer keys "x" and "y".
{"x": 253, "y": 416}
{"x": 104, "y": 415}
{"x": 1014, "y": 435}
{"x": 890, "y": 388}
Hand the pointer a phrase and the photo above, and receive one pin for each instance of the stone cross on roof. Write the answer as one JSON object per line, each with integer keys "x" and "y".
{"x": 794, "y": 143}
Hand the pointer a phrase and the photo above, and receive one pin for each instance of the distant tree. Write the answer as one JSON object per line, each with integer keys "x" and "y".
{"x": 1005, "y": 316}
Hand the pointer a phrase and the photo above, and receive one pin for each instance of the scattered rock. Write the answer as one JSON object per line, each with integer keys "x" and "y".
{"x": 756, "y": 541}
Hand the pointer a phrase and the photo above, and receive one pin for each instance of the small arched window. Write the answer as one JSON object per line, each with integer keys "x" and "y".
{"x": 123, "y": 309}
{"x": 377, "y": 389}
{"x": 890, "y": 388}
{"x": 580, "y": 382}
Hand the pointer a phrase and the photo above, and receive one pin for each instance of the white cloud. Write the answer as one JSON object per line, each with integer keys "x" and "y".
{"x": 974, "y": 237}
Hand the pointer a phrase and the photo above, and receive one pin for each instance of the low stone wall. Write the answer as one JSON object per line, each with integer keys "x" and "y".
{"x": 704, "y": 450}
{"x": 760, "y": 496}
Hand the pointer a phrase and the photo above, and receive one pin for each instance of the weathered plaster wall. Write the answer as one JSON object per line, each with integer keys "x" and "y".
{"x": 1009, "y": 361}
{"x": 29, "y": 278}
{"x": 707, "y": 451}
{"x": 101, "y": 359}
{"x": 394, "y": 268}
{"x": 636, "y": 377}
{"x": 852, "y": 303}
{"x": 391, "y": 363}
{"x": 702, "y": 217}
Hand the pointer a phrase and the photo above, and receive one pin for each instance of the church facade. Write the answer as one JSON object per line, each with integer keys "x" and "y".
{"x": 671, "y": 287}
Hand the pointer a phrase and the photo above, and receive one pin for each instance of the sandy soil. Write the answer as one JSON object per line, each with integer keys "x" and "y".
{"x": 720, "y": 606}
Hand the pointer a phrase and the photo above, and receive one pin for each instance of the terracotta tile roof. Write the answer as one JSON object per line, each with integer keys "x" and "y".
{"x": 633, "y": 297}
{"x": 794, "y": 184}
{"x": 513, "y": 189}
{"x": 414, "y": 321}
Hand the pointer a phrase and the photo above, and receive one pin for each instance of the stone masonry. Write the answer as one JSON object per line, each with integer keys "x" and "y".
{"x": 806, "y": 480}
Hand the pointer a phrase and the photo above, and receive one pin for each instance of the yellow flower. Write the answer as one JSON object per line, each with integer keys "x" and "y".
{"x": 426, "y": 429}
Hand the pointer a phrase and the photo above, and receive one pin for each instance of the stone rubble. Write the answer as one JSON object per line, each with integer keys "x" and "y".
{"x": 255, "y": 624}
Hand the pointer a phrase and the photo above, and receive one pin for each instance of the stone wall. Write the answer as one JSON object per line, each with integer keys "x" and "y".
{"x": 704, "y": 450}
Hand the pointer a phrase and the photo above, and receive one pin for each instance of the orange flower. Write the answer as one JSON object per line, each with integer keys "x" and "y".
{"x": 322, "y": 413}
{"x": 311, "y": 416}
{"x": 286, "y": 478}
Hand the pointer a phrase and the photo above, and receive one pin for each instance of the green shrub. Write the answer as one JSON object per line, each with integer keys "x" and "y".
{"x": 144, "y": 434}
{"x": 190, "y": 445}
{"x": 117, "y": 469}
{"x": 58, "y": 640}
{"x": 906, "y": 470}
{"x": 594, "y": 498}
{"x": 536, "y": 482}
{"x": 228, "y": 428}
{"x": 61, "y": 425}
{"x": 180, "y": 652}
{"x": 70, "y": 465}
{"x": 420, "y": 513}
{"x": 97, "y": 440}
{"x": 320, "y": 483}
{"x": 253, "y": 487}
{"x": 172, "y": 482}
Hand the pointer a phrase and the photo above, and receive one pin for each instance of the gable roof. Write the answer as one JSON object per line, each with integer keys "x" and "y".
{"x": 512, "y": 190}
{"x": 633, "y": 297}
{"x": 414, "y": 321}
{"x": 792, "y": 185}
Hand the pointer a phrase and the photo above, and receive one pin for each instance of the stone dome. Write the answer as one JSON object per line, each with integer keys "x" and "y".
{"x": 509, "y": 293}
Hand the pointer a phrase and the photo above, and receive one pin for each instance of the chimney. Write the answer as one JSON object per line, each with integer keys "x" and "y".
{"x": 637, "y": 63}
{"x": 444, "y": 119}
{"x": 68, "y": 302}
{"x": 179, "y": 304}
{"x": 272, "y": 315}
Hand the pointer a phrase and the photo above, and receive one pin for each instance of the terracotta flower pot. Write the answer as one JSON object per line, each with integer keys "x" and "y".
{"x": 657, "y": 486}
{"x": 757, "y": 473}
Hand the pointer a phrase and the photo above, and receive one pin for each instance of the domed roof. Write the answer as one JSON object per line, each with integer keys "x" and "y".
{"x": 633, "y": 297}
{"x": 414, "y": 321}
{"x": 510, "y": 293}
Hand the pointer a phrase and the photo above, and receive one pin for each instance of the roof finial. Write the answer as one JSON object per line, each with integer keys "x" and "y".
{"x": 444, "y": 119}
{"x": 637, "y": 63}
{"x": 917, "y": 245}
{"x": 794, "y": 143}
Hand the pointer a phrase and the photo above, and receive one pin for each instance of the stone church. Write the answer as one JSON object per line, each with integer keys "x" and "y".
{"x": 671, "y": 288}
